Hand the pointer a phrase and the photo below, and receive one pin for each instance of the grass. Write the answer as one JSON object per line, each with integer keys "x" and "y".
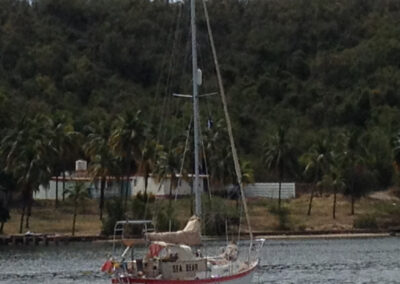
{"x": 48, "y": 219}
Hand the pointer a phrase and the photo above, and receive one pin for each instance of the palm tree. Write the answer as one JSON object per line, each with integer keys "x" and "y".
{"x": 278, "y": 154}
{"x": 247, "y": 172}
{"x": 336, "y": 170}
{"x": 396, "y": 150}
{"x": 7, "y": 186}
{"x": 359, "y": 179}
{"x": 168, "y": 165}
{"x": 102, "y": 161}
{"x": 4, "y": 211}
{"x": 126, "y": 141}
{"x": 316, "y": 163}
{"x": 219, "y": 156}
{"x": 78, "y": 194}
{"x": 150, "y": 155}
{"x": 28, "y": 155}
{"x": 4, "y": 216}
{"x": 334, "y": 180}
{"x": 337, "y": 184}
{"x": 65, "y": 141}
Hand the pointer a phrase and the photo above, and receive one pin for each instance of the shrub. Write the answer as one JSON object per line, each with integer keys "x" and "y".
{"x": 4, "y": 217}
{"x": 365, "y": 222}
{"x": 165, "y": 218}
{"x": 138, "y": 208}
{"x": 302, "y": 228}
{"x": 217, "y": 212}
{"x": 115, "y": 212}
{"x": 283, "y": 215}
{"x": 146, "y": 197}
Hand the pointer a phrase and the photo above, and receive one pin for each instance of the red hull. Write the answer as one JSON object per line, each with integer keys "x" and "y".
{"x": 130, "y": 280}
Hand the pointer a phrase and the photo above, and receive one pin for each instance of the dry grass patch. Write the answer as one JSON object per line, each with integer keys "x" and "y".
{"x": 48, "y": 219}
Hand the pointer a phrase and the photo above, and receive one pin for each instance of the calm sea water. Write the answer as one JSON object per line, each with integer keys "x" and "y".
{"x": 289, "y": 261}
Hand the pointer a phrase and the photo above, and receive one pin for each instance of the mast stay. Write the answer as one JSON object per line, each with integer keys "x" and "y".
{"x": 228, "y": 122}
{"x": 226, "y": 113}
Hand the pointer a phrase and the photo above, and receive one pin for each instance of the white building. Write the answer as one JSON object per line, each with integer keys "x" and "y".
{"x": 113, "y": 188}
{"x": 159, "y": 188}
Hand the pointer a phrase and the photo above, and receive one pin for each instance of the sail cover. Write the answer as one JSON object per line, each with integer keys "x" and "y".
{"x": 190, "y": 235}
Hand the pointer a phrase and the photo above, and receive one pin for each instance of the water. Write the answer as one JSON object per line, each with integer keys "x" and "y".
{"x": 284, "y": 261}
{"x": 331, "y": 261}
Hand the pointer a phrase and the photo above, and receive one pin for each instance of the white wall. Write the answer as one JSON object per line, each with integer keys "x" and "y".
{"x": 50, "y": 191}
{"x": 270, "y": 190}
{"x": 113, "y": 188}
{"x": 162, "y": 189}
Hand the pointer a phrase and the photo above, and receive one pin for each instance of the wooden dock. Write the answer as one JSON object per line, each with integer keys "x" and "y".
{"x": 43, "y": 239}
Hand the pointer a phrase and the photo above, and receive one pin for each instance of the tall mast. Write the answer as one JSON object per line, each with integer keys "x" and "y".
{"x": 195, "y": 109}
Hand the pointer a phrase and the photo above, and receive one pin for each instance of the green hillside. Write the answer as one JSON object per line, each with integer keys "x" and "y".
{"x": 325, "y": 75}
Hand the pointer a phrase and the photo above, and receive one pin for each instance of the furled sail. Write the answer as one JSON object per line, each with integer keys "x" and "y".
{"x": 190, "y": 235}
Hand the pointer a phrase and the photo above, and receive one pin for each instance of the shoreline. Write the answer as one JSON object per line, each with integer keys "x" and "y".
{"x": 328, "y": 236}
{"x": 315, "y": 235}
{"x": 10, "y": 239}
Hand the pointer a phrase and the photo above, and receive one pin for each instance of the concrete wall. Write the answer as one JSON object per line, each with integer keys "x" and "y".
{"x": 270, "y": 190}
{"x": 136, "y": 185}
{"x": 162, "y": 189}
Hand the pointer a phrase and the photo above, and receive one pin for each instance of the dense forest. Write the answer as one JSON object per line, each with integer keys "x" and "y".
{"x": 313, "y": 89}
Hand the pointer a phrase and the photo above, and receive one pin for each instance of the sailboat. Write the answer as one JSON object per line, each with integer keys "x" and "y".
{"x": 174, "y": 257}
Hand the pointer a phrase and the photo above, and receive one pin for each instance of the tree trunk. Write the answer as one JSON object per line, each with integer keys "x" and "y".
{"x": 1, "y": 227}
{"x": 311, "y": 199}
{"x": 21, "y": 223}
{"x": 63, "y": 187}
{"x": 170, "y": 193}
{"x": 279, "y": 195}
{"x": 121, "y": 188}
{"x": 128, "y": 172}
{"x": 281, "y": 167}
{"x": 126, "y": 192}
{"x": 353, "y": 200}
{"x": 56, "y": 202}
{"x": 146, "y": 181}
{"x": 28, "y": 215}
{"x": 74, "y": 218}
{"x": 334, "y": 204}
{"x": 102, "y": 188}
{"x": 170, "y": 205}
{"x": 29, "y": 207}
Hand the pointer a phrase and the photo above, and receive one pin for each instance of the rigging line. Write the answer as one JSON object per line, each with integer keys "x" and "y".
{"x": 240, "y": 222}
{"x": 186, "y": 62}
{"x": 226, "y": 230}
{"x": 229, "y": 125}
{"x": 166, "y": 111}
{"x": 165, "y": 58}
{"x": 184, "y": 155}
{"x": 169, "y": 70}
{"x": 158, "y": 208}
